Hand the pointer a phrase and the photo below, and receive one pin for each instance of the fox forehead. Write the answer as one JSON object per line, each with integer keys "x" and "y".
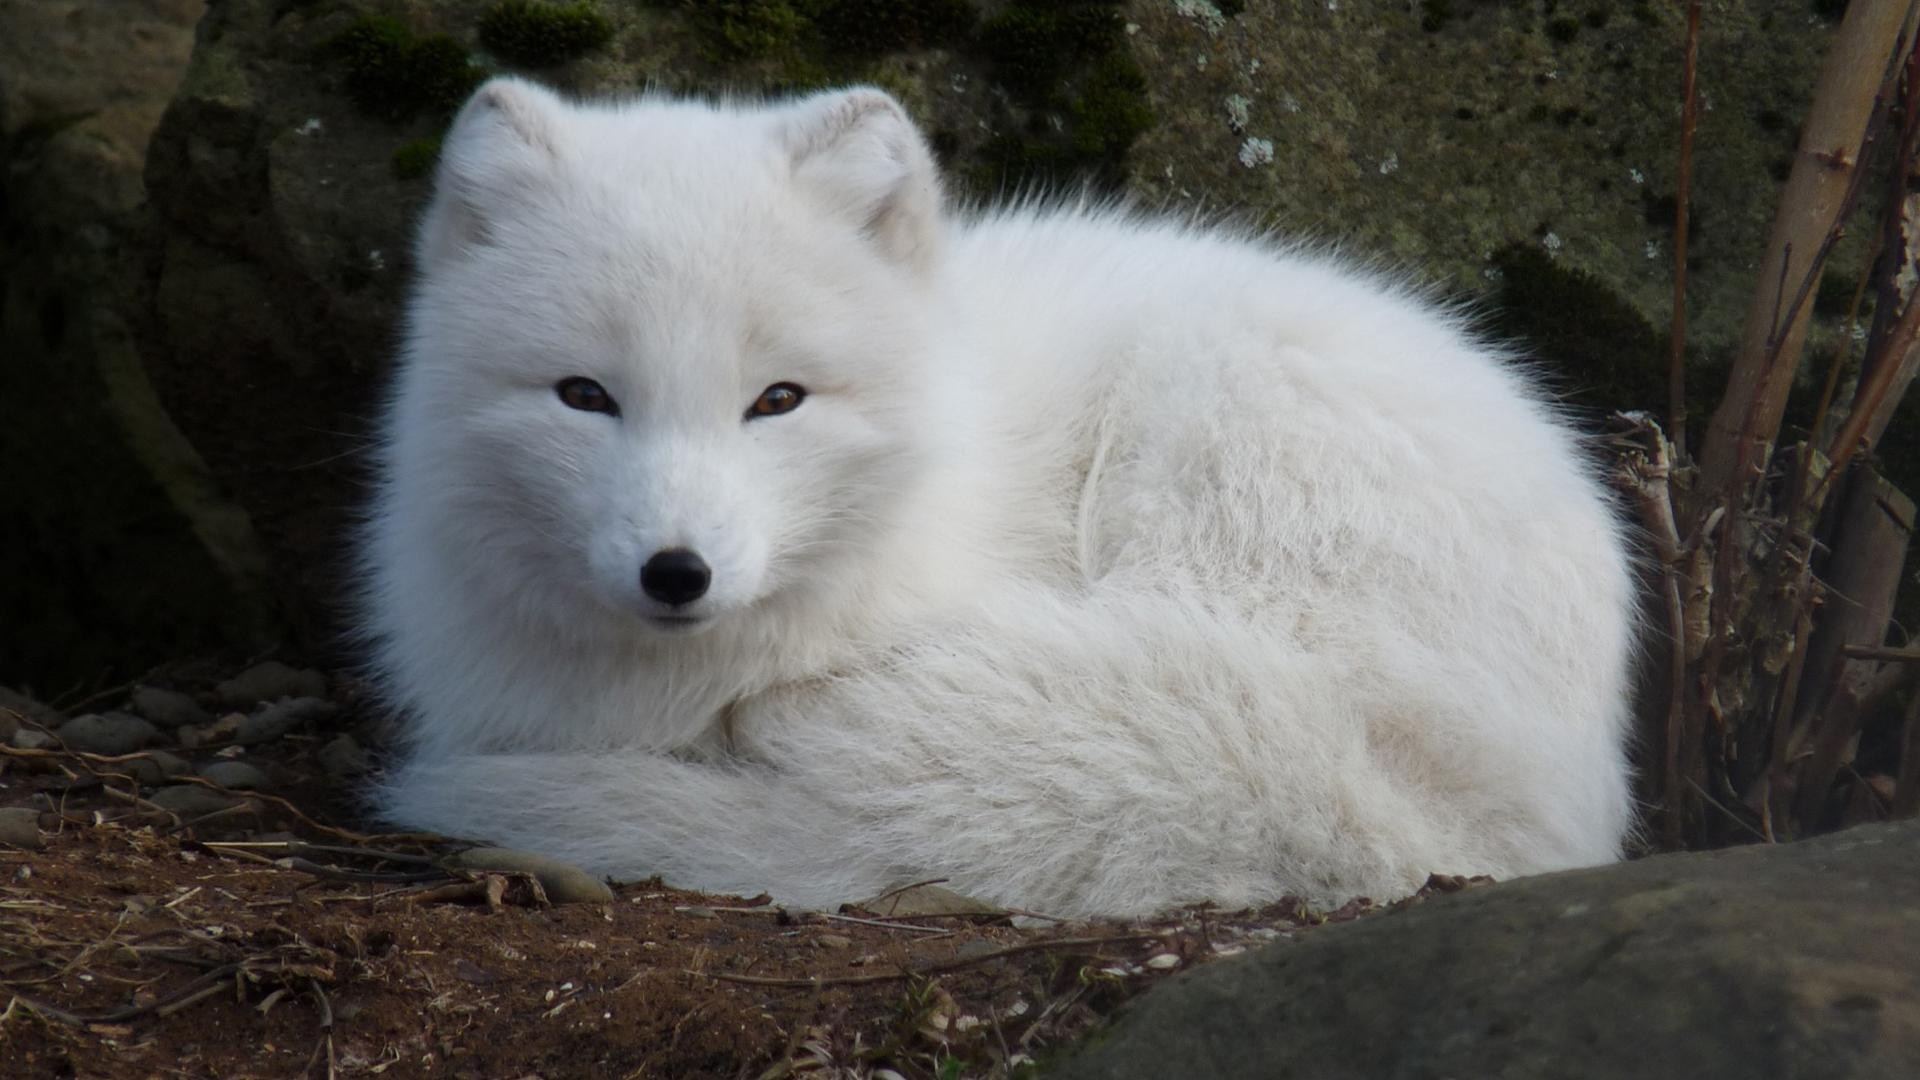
{"x": 670, "y": 249}
{"x": 669, "y": 326}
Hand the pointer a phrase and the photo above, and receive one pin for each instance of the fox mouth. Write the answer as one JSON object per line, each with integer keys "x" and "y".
{"x": 678, "y": 623}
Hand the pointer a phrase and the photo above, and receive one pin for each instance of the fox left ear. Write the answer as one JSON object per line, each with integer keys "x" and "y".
{"x": 860, "y": 154}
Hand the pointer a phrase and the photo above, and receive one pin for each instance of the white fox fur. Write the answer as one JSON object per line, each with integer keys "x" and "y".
{"x": 1108, "y": 563}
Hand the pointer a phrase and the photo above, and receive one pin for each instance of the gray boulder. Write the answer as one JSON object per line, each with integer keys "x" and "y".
{"x": 1800, "y": 960}
{"x": 124, "y": 549}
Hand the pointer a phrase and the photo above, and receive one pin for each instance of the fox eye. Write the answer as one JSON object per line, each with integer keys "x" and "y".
{"x": 781, "y": 397}
{"x": 586, "y": 395}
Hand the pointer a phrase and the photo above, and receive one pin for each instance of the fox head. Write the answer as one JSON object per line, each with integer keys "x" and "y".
{"x": 665, "y": 360}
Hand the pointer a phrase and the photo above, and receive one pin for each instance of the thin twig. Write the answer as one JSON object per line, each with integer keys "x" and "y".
{"x": 886, "y": 924}
{"x": 938, "y": 968}
{"x": 891, "y": 893}
{"x": 195, "y": 991}
{"x": 1722, "y": 807}
{"x": 1885, "y": 653}
{"x": 1677, "y": 335}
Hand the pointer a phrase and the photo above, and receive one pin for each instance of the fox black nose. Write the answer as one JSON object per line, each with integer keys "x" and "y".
{"x": 675, "y": 576}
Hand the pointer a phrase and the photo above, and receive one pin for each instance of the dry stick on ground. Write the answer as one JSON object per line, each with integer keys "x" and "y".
{"x": 196, "y": 991}
{"x": 939, "y": 968}
{"x": 87, "y": 760}
{"x": 301, "y": 847}
{"x": 1677, "y": 335}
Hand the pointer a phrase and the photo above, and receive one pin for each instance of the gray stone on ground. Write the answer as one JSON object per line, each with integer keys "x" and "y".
{"x": 1792, "y": 961}
{"x": 564, "y": 882}
{"x": 20, "y": 827}
{"x": 168, "y": 708}
{"x": 238, "y": 775}
{"x": 193, "y": 800}
{"x": 32, "y": 739}
{"x": 13, "y": 700}
{"x": 154, "y": 767}
{"x": 108, "y": 733}
{"x": 271, "y": 680}
{"x": 342, "y": 758}
{"x": 275, "y": 720}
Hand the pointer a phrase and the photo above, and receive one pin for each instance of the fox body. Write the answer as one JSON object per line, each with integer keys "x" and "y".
{"x": 747, "y": 517}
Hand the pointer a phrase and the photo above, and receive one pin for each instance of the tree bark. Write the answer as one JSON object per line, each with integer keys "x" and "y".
{"x": 1810, "y": 207}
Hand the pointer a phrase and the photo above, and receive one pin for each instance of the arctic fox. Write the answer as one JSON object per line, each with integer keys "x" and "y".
{"x": 748, "y": 517}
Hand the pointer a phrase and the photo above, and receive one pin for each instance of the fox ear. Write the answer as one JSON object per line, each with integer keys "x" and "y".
{"x": 858, "y": 152}
{"x": 500, "y": 148}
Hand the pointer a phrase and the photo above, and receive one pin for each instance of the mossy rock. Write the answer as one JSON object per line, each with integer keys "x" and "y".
{"x": 417, "y": 158}
{"x": 394, "y": 73}
{"x": 536, "y": 35}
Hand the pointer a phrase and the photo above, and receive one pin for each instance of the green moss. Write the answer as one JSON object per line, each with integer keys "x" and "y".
{"x": 417, "y": 158}
{"x": 533, "y": 34}
{"x": 394, "y": 73}
{"x": 1110, "y": 111}
{"x": 873, "y": 28}
{"x": 1034, "y": 44}
{"x": 1078, "y": 99}
{"x": 1834, "y": 296}
{"x": 746, "y": 29}
{"x": 1067, "y": 63}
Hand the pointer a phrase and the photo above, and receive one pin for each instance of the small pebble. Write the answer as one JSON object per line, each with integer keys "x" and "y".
{"x": 974, "y": 950}
{"x": 192, "y": 800}
{"x": 20, "y": 827}
{"x": 833, "y": 941}
{"x": 343, "y": 758}
{"x": 1164, "y": 961}
{"x": 271, "y": 681}
{"x": 220, "y": 730}
{"x": 155, "y": 767}
{"x": 108, "y": 733}
{"x": 564, "y": 882}
{"x": 237, "y": 775}
{"x": 29, "y": 739}
{"x": 44, "y": 715}
{"x": 281, "y": 717}
{"x": 168, "y": 708}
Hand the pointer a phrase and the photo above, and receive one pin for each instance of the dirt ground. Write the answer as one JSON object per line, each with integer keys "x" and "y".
{"x": 272, "y": 939}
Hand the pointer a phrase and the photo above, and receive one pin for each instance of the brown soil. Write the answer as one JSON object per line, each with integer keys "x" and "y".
{"x": 137, "y": 944}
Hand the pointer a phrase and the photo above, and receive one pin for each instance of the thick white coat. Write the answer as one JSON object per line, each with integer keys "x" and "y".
{"x": 1109, "y": 563}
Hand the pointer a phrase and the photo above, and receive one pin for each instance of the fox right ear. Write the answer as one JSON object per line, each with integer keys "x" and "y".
{"x": 503, "y": 143}
{"x": 858, "y": 152}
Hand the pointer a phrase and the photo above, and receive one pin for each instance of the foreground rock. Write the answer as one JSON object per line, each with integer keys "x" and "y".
{"x": 1791, "y": 961}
